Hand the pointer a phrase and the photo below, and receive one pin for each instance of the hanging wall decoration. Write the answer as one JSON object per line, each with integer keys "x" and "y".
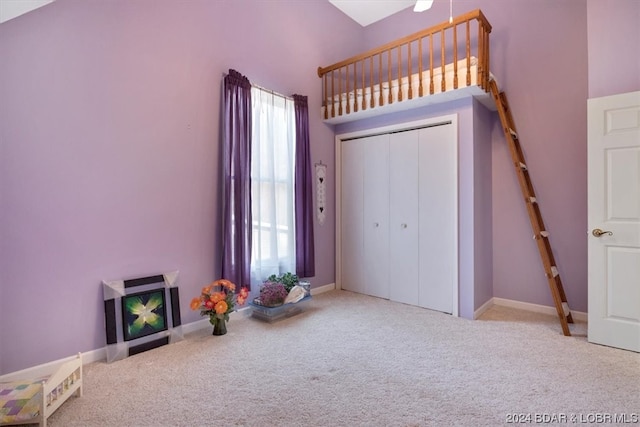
{"x": 321, "y": 183}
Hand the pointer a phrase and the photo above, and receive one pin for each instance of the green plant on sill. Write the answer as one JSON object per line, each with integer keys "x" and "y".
{"x": 289, "y": 280}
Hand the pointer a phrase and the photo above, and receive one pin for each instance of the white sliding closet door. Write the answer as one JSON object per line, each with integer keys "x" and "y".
{"x": 404, "y": 217}
{"x": 365, "y": 215}
{"x": 376, "y": 215}
{"x": 438, "y": 195}
{"x": 399, "y": 216}
{"x": 352, "y": 216}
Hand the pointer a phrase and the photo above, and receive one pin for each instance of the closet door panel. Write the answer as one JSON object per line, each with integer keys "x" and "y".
{"x": 438, "y": 217}
{"x": 351, "y": 216}
{"x": 376, "y": 215}
{"x": 403, "y": 220}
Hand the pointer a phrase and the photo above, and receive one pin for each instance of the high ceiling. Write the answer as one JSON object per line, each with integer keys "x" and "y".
{"x": 366, "y": 12}
{"x": 10, "y": 9}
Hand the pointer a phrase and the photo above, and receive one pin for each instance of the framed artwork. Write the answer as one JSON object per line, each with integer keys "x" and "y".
{"x": 141, "y": 314}
{"x": 144, "y": 313}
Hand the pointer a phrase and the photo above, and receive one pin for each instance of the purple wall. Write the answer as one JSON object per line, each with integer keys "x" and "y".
{"x": 483, "y": 120}
{"x": 109, "y": 149}
{"x": 614, "y": 43}
{"x": 109, "y": 141}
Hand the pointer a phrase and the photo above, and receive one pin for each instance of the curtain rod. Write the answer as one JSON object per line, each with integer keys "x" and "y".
{"x": 272, "y": 92}
{"x": 265, "y": 89}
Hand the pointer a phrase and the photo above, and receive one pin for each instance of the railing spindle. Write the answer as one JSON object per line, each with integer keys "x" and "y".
{"x": 430, "y": 64}
{"x": 364, "y": 103}
{"x": 371, "y": 93}
{"x": 355, "y": 87}
{"x": 400, "y": 73}
{"x": 333, "y": 95}
{"x": 485, "y": 57}
{"x": 480, "y": 49}
{"x": 420, "y": 90}
{"x": 443, "y": 83}
{"x": 326, "y": 98}
{"x": 381, "y": 101}
{"x": 389, "y": 78}
{"x": 481, "y": 53}
{"x": 339, "y": 91}
{"x": 409, "y": 74}
{"x": 455, "y": 57}
{"x": 468, "y": 55}
{"x": 346, "y": 89}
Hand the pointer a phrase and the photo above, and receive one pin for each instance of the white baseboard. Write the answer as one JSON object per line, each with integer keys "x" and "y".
{"x": 48, "y": 368}
{"x": 101, "y": 353}
{"x": 484, "y": 307}
{"x": 323, "y": 289}
{"x": 537, "y": 308}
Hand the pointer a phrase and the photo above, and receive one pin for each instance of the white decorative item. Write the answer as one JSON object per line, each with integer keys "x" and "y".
{"x": 321, "y": 184}
{"x": 295, "y": 294}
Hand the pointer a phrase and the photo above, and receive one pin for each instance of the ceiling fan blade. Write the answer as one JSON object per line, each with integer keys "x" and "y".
{"x": 422, "y": 5}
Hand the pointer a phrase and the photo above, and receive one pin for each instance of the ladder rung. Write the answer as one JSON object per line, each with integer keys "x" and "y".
{"x": 565, "y": 309}
{"x": 542, "y": 234}
{"x": 522, "y": 166}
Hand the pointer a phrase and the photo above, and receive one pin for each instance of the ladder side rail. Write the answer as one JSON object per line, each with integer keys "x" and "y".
{"x": 533, "y": 209}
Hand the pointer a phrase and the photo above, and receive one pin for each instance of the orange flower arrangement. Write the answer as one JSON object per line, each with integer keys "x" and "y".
{"x": 217, "y": 300}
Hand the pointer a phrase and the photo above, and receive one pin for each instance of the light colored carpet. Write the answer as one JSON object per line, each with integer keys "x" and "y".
{"x": 354, "y": 360}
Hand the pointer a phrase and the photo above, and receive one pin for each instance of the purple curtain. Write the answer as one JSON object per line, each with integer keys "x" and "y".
{"x": 236, "y": 215}
{"x": 303, "y": 198}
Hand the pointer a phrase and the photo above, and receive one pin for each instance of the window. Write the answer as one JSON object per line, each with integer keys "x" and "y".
{"x": 272, "y": 184}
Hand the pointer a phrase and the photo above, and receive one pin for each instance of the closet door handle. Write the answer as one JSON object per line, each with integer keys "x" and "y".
{"x": 403, "y": 225}
{"x": 376, "y": 224}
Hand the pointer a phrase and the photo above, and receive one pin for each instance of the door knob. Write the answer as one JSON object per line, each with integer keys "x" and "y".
{"x": 403, "y": 225}
{"x": 598, "y": 232}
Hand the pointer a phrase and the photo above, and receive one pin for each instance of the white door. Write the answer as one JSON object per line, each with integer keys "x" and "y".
{"x": 404, "y": 217}
{"x": 438, "y": 197}
{"x": 352, "y": 218}
{"x": 364, "y": 222}
{"x": 614, "y": 220}
{"x": 376, "y": 215}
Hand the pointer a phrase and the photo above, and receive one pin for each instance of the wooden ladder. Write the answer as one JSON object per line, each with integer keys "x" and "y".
{"x": 541, "y": 235}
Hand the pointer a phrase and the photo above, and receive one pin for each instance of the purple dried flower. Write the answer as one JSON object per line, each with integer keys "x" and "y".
{"x": 272, "y": 293}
